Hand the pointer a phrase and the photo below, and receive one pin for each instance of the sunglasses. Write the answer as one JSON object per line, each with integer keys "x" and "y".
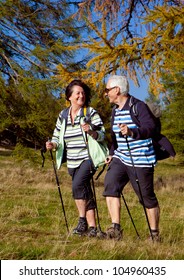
{"x": 109, "y": 89}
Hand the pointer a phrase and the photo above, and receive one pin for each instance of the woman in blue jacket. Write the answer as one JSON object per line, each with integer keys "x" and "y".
{"x": 78, "y": 138}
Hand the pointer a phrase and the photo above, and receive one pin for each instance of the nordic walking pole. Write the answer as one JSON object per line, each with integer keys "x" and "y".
{"x": 137, "y": 181}
{"x": 130, "y": 215}
{"x": 93, "y": 186}
{"x": 59, "y": 190}
{"x": 94, "y": 194}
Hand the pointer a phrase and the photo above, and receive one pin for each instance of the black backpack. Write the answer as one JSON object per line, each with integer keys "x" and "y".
{"x": 162, "y": 146}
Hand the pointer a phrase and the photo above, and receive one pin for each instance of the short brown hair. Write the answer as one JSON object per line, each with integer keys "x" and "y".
{"x": 87, "y": 91}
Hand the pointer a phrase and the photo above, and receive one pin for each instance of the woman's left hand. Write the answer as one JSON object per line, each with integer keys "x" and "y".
{"x": 85, "y": 127}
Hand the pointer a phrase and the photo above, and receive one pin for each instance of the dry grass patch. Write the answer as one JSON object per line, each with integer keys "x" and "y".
{"x": 32, "y": 225}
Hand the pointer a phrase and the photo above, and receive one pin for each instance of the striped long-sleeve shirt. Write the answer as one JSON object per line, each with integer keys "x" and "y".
{"x": 74, "y": 139}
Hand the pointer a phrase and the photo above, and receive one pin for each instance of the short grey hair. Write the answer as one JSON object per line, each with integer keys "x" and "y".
{"x": 121, "y": 82}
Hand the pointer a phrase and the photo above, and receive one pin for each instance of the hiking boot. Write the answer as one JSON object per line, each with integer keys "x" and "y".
{"x": 114, "y": 233}
{"x": 156, "y": 238}
{"x": 81, "y": 228}
{"x": 101, "y": 234}
{"x": 92, "y": 232}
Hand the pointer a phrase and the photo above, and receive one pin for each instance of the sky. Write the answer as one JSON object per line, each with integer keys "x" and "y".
{"x": 139, "y": 92}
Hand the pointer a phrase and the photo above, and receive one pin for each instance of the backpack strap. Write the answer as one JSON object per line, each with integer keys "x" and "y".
{"x": 113, "y": 114}
{"x": 86, "y": 113}
{"x": 133, "y": 110}
{"x": 64, "y": 115}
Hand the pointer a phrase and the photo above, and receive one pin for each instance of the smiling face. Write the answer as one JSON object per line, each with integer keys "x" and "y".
{"x": 77, "y": 97}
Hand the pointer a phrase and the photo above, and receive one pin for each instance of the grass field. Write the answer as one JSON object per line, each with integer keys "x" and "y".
{"x": 32, "y": 225}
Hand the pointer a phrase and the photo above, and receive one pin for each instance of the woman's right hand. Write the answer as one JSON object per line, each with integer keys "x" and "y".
{"x": 50, "y": 145}
{"x": 108, "y": 159}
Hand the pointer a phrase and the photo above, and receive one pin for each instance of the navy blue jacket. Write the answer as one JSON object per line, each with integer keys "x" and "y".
{"x": 147, "y": 127}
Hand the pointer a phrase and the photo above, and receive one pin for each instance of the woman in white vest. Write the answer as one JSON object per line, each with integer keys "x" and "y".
{"x": 78, "y": 139}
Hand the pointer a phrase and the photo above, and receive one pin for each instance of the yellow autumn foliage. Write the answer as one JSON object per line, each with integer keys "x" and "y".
{"x": 159, "y": 50}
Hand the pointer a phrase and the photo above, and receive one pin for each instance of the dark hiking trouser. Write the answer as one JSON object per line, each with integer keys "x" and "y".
{"x": 81, "y": 186}
{"x": 118, "y": 175}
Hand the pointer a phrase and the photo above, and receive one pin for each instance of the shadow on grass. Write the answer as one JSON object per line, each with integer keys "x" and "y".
{"x": 5, "y": 153}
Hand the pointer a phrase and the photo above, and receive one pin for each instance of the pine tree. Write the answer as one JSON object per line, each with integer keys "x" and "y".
{"x": 32, "y": 43}
{"x": 173, "y": 115}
